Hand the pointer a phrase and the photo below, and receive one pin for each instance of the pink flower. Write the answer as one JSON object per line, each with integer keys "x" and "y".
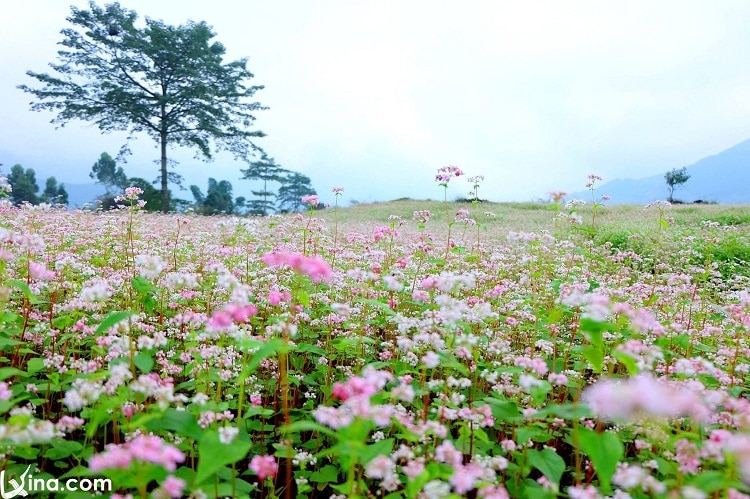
{"x": 5, "y": 393}
{"x": 646, "y": 396}
{"x": 274, "y": 297}
{"x": 241, "y": 313}
{"x": 446, "y": 173}
{"x": 354, "y": 386}
{"x": 39, "y": 272}
{"x": 337, "y": 190}
{"x": 147, "y": 448}
{"x": 314, "y": 267}
{"x": 171, "y": 487}
{"x": 264, "y": 466}
{"x": 464, "y": 477}
{"x": 447, "y": 453}
{"x": 220, "y": 319}
{"x": 312, "y": 200}
{"x": 494, "y": 492}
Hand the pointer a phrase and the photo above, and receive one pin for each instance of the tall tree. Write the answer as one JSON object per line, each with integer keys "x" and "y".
{"x": 23, "y": 182}
{"x": 293, "y": 187}
{"x": 675, "y": 178}
{"x": 106, "y": 172}
{"x": 54, "y": 193}
{"x": 170, "y": 82}
{"x": 265, "y": 170}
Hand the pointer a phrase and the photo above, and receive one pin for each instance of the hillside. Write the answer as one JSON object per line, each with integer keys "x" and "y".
{"x": 723, "y": 178}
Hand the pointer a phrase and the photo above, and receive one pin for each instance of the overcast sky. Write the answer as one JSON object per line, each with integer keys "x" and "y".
{"x": 374, "y": 96}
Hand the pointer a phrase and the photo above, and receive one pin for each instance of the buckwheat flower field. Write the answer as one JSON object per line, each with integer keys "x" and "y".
{"x": 404, "y": 349}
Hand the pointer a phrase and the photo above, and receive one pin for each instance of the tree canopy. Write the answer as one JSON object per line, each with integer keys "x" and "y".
{"x": 54, "y": 193}
{"x": 106, "y": 172}
{"x": 265, "y": 170}
{"x": 23, "y": 182}
{"x": 218, "y": 198}
{"x": 675, "y": 178}
{"x": 169, "y": 82}
{"x": 293, "y": 188}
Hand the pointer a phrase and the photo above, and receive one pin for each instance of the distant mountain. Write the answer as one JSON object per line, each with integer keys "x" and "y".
{"x": 723, "y": 178}
{"x": 80, "y": 194}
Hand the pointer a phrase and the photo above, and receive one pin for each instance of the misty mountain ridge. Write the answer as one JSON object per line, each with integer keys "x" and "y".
{"x": 723, "y": 178}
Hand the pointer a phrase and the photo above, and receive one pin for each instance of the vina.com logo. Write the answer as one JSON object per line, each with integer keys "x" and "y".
{"x": 27, "y": 483}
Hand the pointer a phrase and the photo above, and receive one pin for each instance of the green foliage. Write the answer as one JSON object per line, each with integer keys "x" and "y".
{"x": 293, "y": 187}
{"x": 605, "y": 451}
{"x": 169, "y": 82}
{"x": 732, "y": 217}
{"x": 24, "y": 185}
{"x": 151, "y": 195}
{"x": 265, "y": 170}
{"x": 675, "y": 178}
{"x": 106, "y": 172}
{"x": 218, "y": 198}
{"x": 53, "y": 193}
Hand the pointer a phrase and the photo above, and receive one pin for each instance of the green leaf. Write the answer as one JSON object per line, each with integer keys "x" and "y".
{"x": 711, "y": 481}
{"x": 382, "y": 447}
{"x": 565, "y": 411}
{"x": 215, "y": 455}
{"x": 62, "y": 448}
{"x": 141, "y": 285}
{"x": 605, "y": 450}
{"x": 7, "y": 372}
{"x": 503, "y": 410}
{"x": 264, "y": 350}
{"x": 595, "y": 356}
{"x": 35, "y": 365}
{"x": 110, "y": 320}
{"x": 299, "y": 426}
{"x": 627, "y": 360}
{"x": 180, "y": 422}
{"x": 548, "y": 462}
{"x": 143, "y": 362}
{"x": 8, "y": 342}
{"x": 327, "y": 474}
{"x": 25, "y": 289}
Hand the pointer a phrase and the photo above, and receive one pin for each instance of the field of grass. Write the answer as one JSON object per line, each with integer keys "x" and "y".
{"x": 416, "y": 349}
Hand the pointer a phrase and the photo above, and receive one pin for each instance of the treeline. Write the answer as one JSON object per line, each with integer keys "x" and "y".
{"x": 24, "y": 188}
{"x": 277, "y": 189}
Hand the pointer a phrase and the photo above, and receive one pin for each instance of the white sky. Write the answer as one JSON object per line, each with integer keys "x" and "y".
{"x": 374, "y": 96}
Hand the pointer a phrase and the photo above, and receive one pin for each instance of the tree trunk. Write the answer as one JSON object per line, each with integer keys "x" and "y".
{"x": 164, "y": 190}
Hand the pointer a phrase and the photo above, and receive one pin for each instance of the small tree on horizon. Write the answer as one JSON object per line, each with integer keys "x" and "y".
{"x": 265, "y": 170}
{"x": 23, "y": 183}
{"x": 54, "y": 193}
{"x": 106, "y": 172}
{"x": 675, "y": 178}
{"x": 217, "y": 200}
{"x": 293, "y": 187}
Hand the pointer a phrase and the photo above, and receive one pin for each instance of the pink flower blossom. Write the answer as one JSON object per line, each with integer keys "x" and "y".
{"x": 644, "y": 395}
{"x": 170, "y": 487}
{"x": 464, "y": 477}
{"x": 39, "y": 272}
{"x": 264, "y": 466}
{"x": 314, "y": 267}
{"x": 446, "y": 173}
{"x": 5, "y": 393}
{"x": 312, "y": 200}
{"x": 148, "y": 448}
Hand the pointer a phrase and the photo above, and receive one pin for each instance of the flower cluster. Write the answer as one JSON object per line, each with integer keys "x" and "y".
{"x": 146, "y": 448}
